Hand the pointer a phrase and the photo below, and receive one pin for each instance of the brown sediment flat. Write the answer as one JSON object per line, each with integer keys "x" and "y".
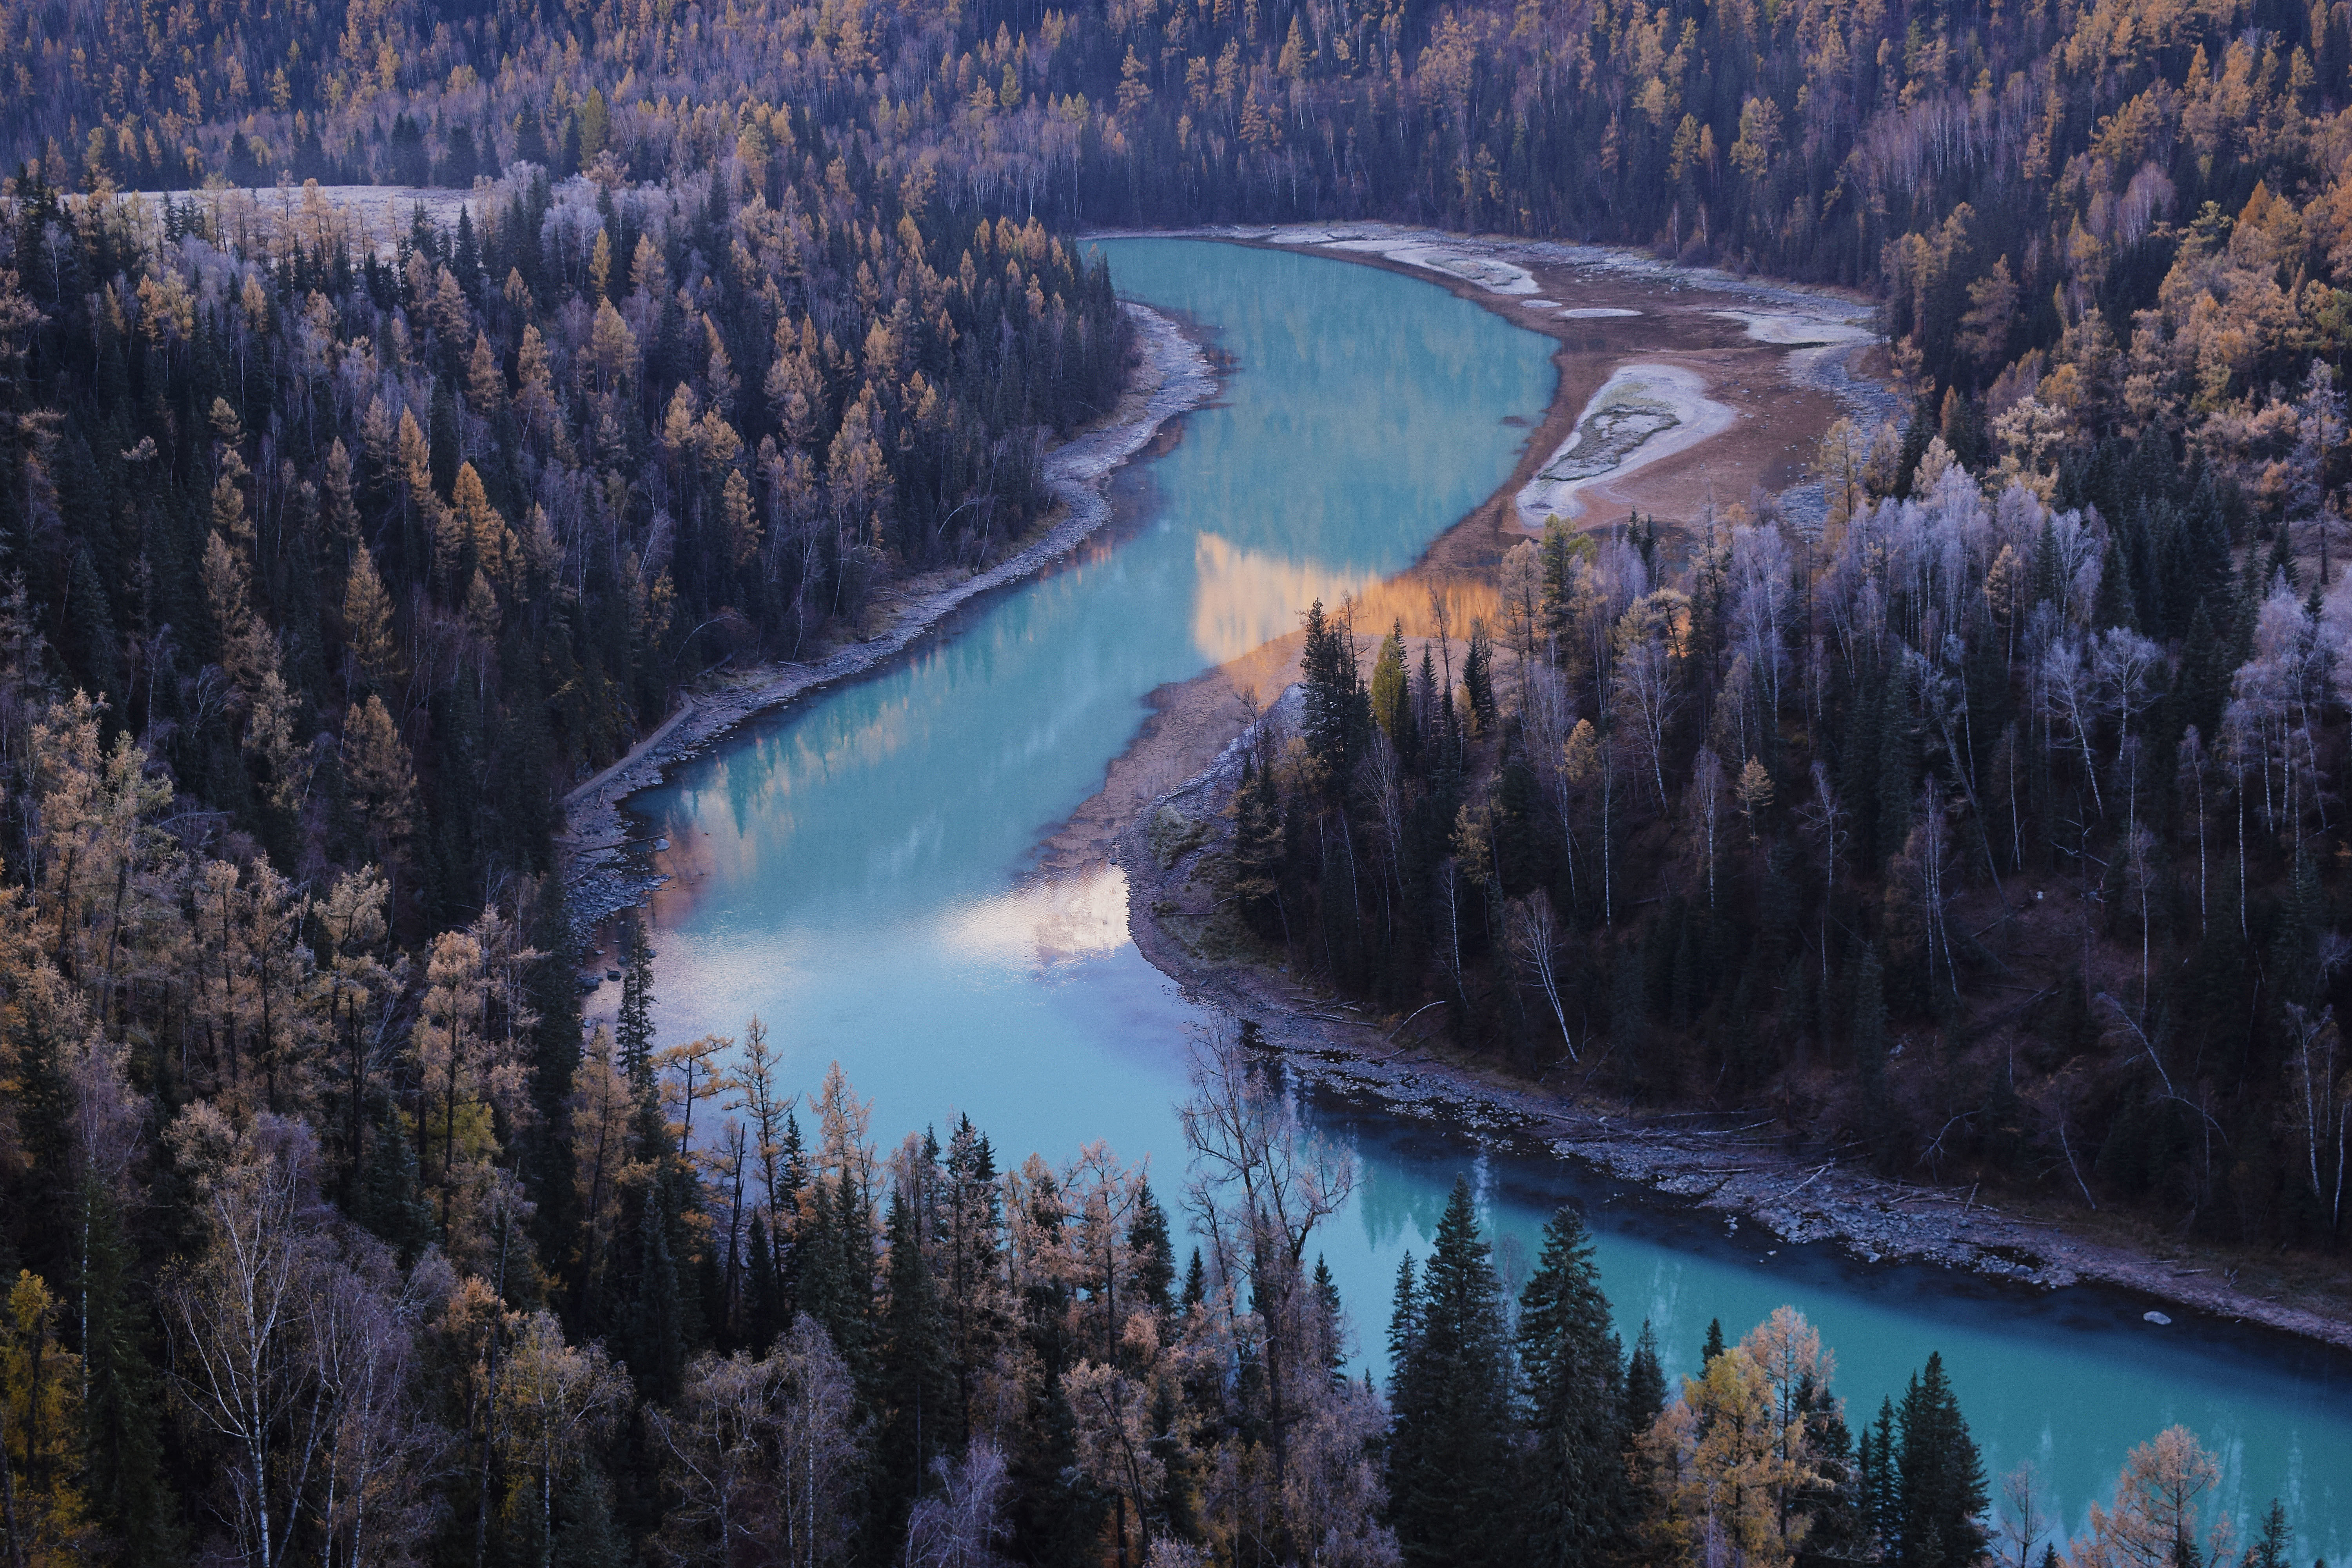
{"x": 1778, "y": 423}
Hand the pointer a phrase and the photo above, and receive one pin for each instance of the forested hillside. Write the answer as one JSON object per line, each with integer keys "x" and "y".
{"x": 1993, "y": 826}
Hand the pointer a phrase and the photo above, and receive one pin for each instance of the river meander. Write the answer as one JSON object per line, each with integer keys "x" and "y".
{"x": 857, "y": 869}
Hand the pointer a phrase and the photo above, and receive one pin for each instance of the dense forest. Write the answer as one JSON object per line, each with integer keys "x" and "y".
{"x": 1989, "y": 826}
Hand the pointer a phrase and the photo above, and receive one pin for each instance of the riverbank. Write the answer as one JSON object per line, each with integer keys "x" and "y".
{"x": 1763, "y": 351}
{"x": 1754, "y": 371}
{"x": 1786, "y": 360}
{"x": 604, "y": 873}
{"x": 1745, "y": 1165}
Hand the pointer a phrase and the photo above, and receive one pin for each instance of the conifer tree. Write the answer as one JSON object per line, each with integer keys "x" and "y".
{"x": 633, "y": 1028}
{"x": 1939, "y": 1474}
{"x": 1574, "y": 1499}
{"x": 762, "y": 1293}
{"x": 1153, "y": 1270}
{"x": 1391, "y": 690}
{"x": 1258, "y": 850}
{"x": 389, "y": 1201}
{"x": 1450, "y": 1458}
{"x": 918, "y": 1393}
{"x": 1478, "y": 677}
{"x": 1646, "y": 1385}
{"x": 657, "y": 1313}
{"x": 2272, "y": 1547}
{"x": 123, "y": 1411}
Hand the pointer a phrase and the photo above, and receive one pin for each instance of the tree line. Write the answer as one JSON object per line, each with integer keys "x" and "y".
{"x": 376, "y": 547}
{"x": 1984, "y": 831}
{"x": 300, "y": 1269}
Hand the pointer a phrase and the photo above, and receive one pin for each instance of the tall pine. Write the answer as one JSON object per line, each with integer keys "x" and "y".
{"x": 1575, "y": 1498}
{"x": 1450, "y": 1451}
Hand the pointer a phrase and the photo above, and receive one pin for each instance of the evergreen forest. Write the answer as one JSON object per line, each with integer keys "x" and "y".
{"x": 1980, "y": 822}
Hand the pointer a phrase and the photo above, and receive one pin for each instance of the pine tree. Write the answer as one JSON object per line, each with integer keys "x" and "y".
{"x": 1257, "y": 858}
{"x": 762, "y": 1294}
{"x": 121, "y": 1414}
{"x": 1574, "y": 1498}
{"x": 656, "y": 1316}
{"x": 1392, "y": 694}
{"x": 633, "y": 1029}
{"x": 1478, "y": 677}
{"x": 917, "y": 1394}
{"x": 1336, "y": 711}
{"x": 1875, "y": 1481}
{"x": 1154, "y": 1267}
{"x": 1450, "y": 1457}
{"x": 1839, "y": 1531}
{"x": 1714, "y": 1346}
{"x": 2271, "y": 1548}
{"x": 1939, "y": 1474}
{"x": 388, "y": 1202}
{"x": 1646, "y": 1386}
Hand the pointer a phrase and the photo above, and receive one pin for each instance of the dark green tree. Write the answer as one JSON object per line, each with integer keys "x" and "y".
{"x": 1646, "y": 1385}
{"x": 1939, "y": 1476}
{"x": 918, "y": 1392}
{"x": 122, "y": 1409}
{"x": 1450, "y": 1452}
{"x": 656, "y": 1329}
{"x": 1574, "y": 1501}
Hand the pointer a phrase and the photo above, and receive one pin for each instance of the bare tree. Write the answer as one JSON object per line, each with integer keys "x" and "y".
{"x": 1260, "y": 1185}
{"x": 957, "y": 1525}
{"x": 246, "y": 1319}
{"x": 1707, "y": 787}
{"x": 2022, "y": 1524}
{"x": 1533, "y": 932}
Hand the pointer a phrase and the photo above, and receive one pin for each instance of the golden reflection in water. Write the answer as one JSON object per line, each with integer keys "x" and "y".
{"x": 1246, "y": 599}
{"x": 1045, "y": 921}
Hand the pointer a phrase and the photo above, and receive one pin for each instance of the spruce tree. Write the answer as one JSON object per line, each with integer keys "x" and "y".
{"x": 2271, "y": 1547}
{"x": 633, "y": 1029}
{"x": 762, "y": 1295}
{"x": 1478, "y": 677}
{"x": 1154, "y": 1268}
{"x": 1450, "y": 1454}
{"x": 656, "y": 1316}
{"x": 1257, "y": 856}
{"x": 388, "y": 1203}
{"x": 1939, "y": 1476}
{"x": 917, "y": 1395}
{"x": 1574, "y": 1499}
{"x": 123, "y": 1410}
{"x": 1646, "y": 1386}
{"x": 1875, "y": 1481}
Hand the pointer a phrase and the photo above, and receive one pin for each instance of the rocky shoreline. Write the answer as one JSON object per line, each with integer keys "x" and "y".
{"x": 604, "y": 868}
{"x": 1746, "y": 1167}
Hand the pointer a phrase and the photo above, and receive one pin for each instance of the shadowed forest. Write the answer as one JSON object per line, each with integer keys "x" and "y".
{"x": 1986, "y": 825}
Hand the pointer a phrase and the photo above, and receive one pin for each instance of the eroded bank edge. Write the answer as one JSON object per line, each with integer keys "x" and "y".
{"x": 603, "y": 878}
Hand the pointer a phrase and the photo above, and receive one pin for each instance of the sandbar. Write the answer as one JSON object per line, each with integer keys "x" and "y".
{"x": 1641, "y": 413}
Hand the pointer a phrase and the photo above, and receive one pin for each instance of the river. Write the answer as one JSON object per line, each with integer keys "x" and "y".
{"x": 857, "y": 869}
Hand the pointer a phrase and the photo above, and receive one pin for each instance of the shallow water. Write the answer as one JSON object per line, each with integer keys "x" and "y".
{"x": 855, "y": 869}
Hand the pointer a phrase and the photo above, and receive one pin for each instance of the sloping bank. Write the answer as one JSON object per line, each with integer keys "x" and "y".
{"x": 1176, "y": 854}
{"x": 603, "y": 869}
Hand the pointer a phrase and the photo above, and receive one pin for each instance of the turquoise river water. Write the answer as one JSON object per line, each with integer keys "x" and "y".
{"x": 855, "y": 868}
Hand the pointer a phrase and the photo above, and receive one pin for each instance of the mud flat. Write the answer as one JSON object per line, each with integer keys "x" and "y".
{"x": 1642, "y": 414}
